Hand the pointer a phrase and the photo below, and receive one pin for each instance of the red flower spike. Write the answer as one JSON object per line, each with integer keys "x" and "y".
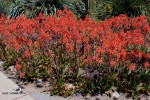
{"x": 27, "y": 53}
{"x": 18, "y": 67}
{"x": 22, "y": 74}
{"x": 113, "y": 63}
{"x": 146, "y": 64}
{"x": 132, "y": 67}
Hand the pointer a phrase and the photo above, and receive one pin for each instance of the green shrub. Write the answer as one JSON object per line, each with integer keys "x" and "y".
{"x": 4, "y": 6}
{"x": 132, "y": 8}
{"x": 103, "y": 11}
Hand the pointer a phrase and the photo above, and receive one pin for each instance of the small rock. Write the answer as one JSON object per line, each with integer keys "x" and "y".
{"x": 21, "y": 87}
{"x": 109, "y": 93}
{"x": 12, "y": 69}
{"x": 115, "y": 95}
{"x": 21, "y": 92}
{"x": 69, "y": 86}
{"x": 20, "y": 83}
{"x": 11, "y": 77}
{"x": 87, "y": 97}
{"x": 144, "y": 97}
{"x": 14, "y": 73}
{"x": 25, "y": 83}
{"x": 18, "y": 89}
{"x": 45, "y": 90}
{"x": 17, "y": 82}
{"x": 39, "y": 83}
{"x": 78, "y": 94}
{"x": 102, "y": 97}
{"x": 104, "y": 94}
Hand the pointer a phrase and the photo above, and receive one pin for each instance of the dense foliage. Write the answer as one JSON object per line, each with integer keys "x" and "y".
{"x": 91, "y": 56}
{"x": 31, "y": 8}
{"x": 132, "y": 8}
{"x": 4, "y": 6}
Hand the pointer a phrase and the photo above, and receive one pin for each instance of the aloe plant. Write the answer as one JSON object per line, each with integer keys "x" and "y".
{"x": 32, "y": 8}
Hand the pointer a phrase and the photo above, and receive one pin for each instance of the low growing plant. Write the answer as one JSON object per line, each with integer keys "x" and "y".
{"x": 80, "y": 56}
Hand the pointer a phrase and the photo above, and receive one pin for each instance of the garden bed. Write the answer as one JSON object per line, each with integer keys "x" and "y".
{"x": 79, "y": 56}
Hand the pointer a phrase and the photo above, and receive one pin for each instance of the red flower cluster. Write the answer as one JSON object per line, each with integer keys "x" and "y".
{"x": 116, "y": 40}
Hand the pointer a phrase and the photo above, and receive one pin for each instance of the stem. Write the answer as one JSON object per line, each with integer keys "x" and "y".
{"x": 75, "y": 56}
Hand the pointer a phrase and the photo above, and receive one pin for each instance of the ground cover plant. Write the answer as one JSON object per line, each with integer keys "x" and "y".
{"x": 79, "y": 56}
